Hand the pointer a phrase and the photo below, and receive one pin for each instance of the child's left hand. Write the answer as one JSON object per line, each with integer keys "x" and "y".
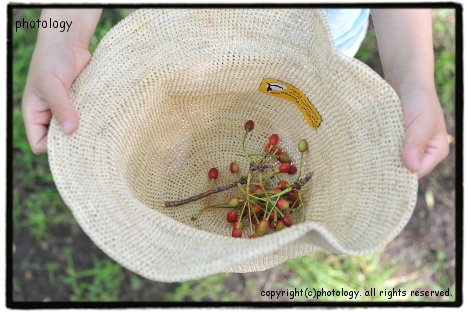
{"x": 425, "y": 144}
{"x": 406, "y": 51}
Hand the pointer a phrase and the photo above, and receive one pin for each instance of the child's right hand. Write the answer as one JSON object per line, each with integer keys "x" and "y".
{"x": 57, "y": 60}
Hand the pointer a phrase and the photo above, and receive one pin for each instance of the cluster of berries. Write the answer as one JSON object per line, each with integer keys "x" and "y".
{"x": 260, "y": 203}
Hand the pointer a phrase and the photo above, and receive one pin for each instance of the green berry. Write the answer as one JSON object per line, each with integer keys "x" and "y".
{"x": 302, "y": 146}
{"x": 234, "y": 202}
{"x": 263, "y": 227}
{"x": 280, "y": 225}
{"x": 284, "y": 158}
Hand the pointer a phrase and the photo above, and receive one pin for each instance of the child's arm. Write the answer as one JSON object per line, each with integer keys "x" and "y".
{"x": 57, "y": 60}
{"x": 404, "y": 38}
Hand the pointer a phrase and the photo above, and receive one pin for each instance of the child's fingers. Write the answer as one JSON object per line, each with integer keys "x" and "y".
{"x": 436, "y": 150}
{"x": 55, "y": 94}
{"x": 38, "y": 138}
{"x": 414, "y": 146}
{"x": 36, "y": 115}
{"x": 423, "y": 149}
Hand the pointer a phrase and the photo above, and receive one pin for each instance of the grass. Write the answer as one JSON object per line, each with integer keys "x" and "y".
{"x": 325, "y": 271}
{"x": 86, "y": 274}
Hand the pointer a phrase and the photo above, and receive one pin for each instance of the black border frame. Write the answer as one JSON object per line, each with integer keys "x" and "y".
{"x": 458, "y": 163}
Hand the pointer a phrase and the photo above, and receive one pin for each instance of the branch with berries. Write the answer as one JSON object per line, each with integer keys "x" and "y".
{"x": 264, "y": 206}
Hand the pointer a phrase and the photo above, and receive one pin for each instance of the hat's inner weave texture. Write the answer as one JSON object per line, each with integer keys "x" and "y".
{"x": 187, "y": 135}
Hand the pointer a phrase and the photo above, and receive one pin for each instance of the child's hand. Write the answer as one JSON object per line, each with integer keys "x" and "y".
{"x": 57, "y": 60}
{"x": 52, "y": 71}
{"x": 404, "y": 37}
{"x": 425, "y": 144}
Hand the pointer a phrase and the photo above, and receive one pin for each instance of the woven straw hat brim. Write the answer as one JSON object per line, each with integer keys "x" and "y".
{"x": 165, "y": 97}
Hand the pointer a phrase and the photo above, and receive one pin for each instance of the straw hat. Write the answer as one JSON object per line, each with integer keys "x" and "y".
{"x": 165, "y": 97}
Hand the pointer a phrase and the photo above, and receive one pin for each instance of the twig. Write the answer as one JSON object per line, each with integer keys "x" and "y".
{"x": 243, "y": 180}
{"x": 205, "y": 194}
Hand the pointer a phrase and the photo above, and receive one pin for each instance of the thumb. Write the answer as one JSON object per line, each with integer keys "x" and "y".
{"x": 56, "y": 95}
{"x": 415, "y": 143}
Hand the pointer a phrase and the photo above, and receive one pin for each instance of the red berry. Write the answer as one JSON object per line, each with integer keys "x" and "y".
{"x": 252, "y": 219}
{"x": 231, "y": 217}
{"x": 276, "y": 190}
{"x": 272, "y": 216}
{"x": 234, "y": 225}
{"x": 287, "y": 221}
{"x": 256, "y": 208}
{"x": 278, "y": 151}
{"x": 284, "y": 158}
{"x": 274, "y": 139}
{"x": 213, "y": 174}
{"x": 258, "y": 190}
{"x": 283, "y": 168}
{"x": 293, "y": 196}
{"x": 282, "y": 204}
{"x": 262, "y": 227}
{"x": 267, "y": 148}
{"x": 280, "y": 225}
{"x": 234, "y": 167}
{"x": 253, "y": 236}
{"x": 249, "y": 125}
{"x": 296, "y": 204}
{"x": 272, "y": 225}
{"x": 236, "y": 233}
{"x": 283, "y": 184}
{"x": 293, "y": 170}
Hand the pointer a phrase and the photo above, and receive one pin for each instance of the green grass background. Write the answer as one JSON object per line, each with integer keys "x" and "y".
{"x": 38, "y": 208}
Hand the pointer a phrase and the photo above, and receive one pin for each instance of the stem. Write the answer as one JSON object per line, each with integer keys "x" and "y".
{"x": 238, "y": 206}
{"x": 250, "y": 219}
{"x": 302, "y": 204}
{"x": 264, "y": 155}
{"x": 220, "y": 206}
{"x": 275, "y": 173}
{"x": 268, "y": 198}
{"x": 300, "y": 169}
{"x": 286, "y": 190}
{"x": 242, "y": 211}
{"x": 247, "y": 188}
{"x": 291, "y": 207}
{"x": 274, "y": 206}
{"x": 195, "y": 217}
{"x": 279, "y": 211}
{"x": 249, "y": 159}
{"x": 256, "y": 218}
{"x": 270, "y": 176}
{"x": 239, "y": 187}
